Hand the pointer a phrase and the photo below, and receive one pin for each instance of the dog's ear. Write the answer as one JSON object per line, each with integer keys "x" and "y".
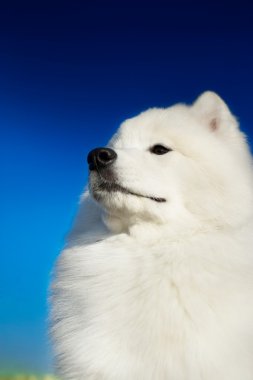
{"x": 213, "y": 112}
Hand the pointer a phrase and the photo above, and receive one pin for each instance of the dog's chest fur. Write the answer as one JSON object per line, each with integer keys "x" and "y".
{"x": 162, "y": 310}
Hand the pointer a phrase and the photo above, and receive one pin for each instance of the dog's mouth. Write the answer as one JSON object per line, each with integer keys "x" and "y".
{"x": 115, "y": 187}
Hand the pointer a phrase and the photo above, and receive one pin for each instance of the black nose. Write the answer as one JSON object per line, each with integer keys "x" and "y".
{"x": 100, "y": 158}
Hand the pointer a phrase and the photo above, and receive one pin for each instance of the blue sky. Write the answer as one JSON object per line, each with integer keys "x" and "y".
{"x": 70, "y": 72}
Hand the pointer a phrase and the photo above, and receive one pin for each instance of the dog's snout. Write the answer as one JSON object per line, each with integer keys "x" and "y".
{"x": 100, "y": 158}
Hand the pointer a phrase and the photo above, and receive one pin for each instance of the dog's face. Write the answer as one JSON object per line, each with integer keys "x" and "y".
{"x": 184, "y": 162}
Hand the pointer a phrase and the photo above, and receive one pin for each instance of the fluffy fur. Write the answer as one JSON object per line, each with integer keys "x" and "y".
{"x": 148, "y": 290}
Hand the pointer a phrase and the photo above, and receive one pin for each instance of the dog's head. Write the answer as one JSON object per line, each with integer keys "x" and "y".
{"x": 183, "y": 163}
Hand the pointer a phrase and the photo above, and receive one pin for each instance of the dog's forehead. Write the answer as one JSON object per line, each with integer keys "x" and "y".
{"x": 153, "y": 126}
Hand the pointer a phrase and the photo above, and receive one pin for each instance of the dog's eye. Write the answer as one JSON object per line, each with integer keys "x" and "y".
{"x": 159, "y": 149}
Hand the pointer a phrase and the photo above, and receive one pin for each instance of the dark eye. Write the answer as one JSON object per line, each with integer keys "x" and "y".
{"x": 159, "y": 149}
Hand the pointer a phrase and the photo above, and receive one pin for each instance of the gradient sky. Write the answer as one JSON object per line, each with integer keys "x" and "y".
{"x": 70, "y": 72}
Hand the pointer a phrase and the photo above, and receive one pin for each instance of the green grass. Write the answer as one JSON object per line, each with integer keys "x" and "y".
{"x": 27, "y": 377}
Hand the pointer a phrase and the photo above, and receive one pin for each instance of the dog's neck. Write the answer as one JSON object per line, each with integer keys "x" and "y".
{"x": 149, "y": 231}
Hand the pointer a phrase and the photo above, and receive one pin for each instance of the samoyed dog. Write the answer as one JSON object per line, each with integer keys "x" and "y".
{"x": 156, "y": 280}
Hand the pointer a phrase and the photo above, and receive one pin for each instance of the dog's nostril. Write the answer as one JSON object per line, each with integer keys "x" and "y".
{"x": 104, "y": 156}
{"x": 101, "y": 157}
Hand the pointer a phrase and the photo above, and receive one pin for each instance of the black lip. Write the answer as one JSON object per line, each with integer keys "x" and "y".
{"x": 112, "y": 186}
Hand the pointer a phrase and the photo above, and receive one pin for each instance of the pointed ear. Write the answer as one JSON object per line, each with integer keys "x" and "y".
{"x": 213, "y": 112}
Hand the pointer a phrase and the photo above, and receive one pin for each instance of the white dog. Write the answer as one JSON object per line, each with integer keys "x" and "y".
{"x": 156, "y": 281}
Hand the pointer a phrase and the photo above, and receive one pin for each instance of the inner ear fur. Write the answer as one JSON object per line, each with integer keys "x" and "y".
{"x": 213, "y": 112}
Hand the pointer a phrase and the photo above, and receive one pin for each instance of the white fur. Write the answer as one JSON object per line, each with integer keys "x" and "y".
{"x": 163, "y": 291}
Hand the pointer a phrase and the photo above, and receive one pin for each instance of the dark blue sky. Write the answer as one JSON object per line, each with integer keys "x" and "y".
{"x": 70, "y": 72}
